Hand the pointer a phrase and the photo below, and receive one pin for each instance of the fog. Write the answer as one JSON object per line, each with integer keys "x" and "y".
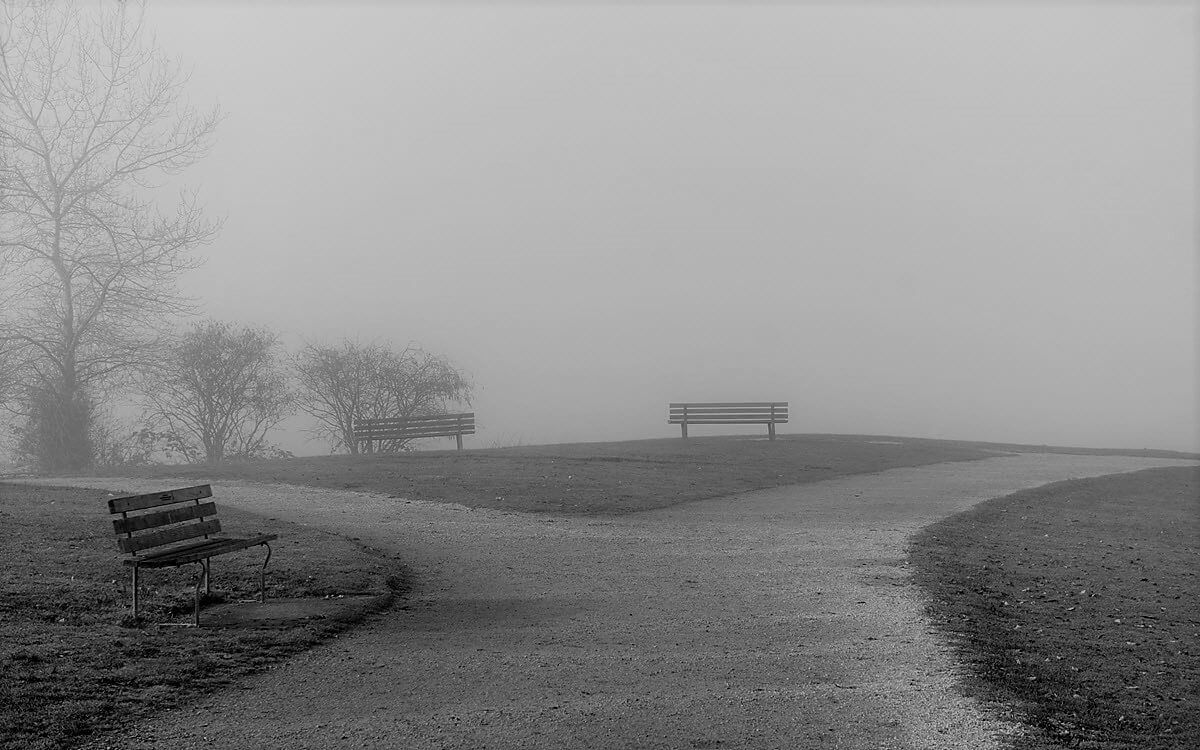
{"x": 973, "y": 223}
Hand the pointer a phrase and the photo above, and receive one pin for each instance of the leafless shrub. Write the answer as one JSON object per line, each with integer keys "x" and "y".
{"x": 338, "y": 384}
{"x": 218, "y": 391}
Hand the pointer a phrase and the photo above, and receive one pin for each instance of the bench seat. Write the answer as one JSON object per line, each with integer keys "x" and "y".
{"x": 199, "y": 551}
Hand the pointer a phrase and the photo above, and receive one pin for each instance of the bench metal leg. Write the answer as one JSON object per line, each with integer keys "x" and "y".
{"x": 770, "y": 430}
{"x": 135, "y": 592}
{"x": 262, "y": 576}
{"x": 208, "y": 576}
{"x": 201, "y": 580}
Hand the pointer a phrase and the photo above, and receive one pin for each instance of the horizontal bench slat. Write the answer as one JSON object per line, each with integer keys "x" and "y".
{"x": 164, "y": 517}
{"x": 466, "y": 416}
{"x": 731, "y": 410}
{"x": 387, "y": 438}
{"x": 456, "y": 426}
{"x": 726, "y": 404}
{"x": 365, "y": 429}
{"x": 737, "y": 412}
{"x": 450, "y": 424}
{"x": 418, "y": 426}
{"x": 166, "y": 536}
{"x": 450, "y": 430}
{"x": 155, "y": 499}
{"x": 419, "y": 416}
{"x": 726, "y": 415}
{"x": 706, "y": 420}
{"x": 424, "y": 428}
{"x": 731, "y": 415}
{"x": 410, "y": 436}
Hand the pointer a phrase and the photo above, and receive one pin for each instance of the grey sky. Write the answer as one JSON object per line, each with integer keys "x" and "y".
{"x": 970, "y": 223}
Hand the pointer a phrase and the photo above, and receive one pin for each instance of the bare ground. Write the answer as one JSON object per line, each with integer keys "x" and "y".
{"x": 778, "y": 618}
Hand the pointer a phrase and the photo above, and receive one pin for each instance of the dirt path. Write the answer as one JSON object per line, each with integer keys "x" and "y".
{"x": 781, "y": 618}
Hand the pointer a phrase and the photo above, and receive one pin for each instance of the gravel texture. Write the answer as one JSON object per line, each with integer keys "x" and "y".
{"x": 782, "y": 618}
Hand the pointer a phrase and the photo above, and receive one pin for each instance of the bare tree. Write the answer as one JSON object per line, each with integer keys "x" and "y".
{"x": 93, "y": 117}
{"x": 350, "y": 381}
{"x": 219, "y": 390}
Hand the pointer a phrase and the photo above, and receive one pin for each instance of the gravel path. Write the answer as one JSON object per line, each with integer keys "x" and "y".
{"x": 780, "y": 618}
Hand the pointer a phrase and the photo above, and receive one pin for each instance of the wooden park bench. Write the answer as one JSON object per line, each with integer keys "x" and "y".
{"x": 769, "y": 413}
{"x": 173, "y": 528}
{"x": 370, "y": 431}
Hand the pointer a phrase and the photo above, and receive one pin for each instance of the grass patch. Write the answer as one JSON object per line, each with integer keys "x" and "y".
{"x": 1080, "y": 603}
{"x": 71, "y": 664}
{"x": 593, "y": 478}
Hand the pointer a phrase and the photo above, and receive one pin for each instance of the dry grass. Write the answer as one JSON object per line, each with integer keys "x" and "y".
{"x": 71, "y": 663}
{"x": 1079, "y": 602}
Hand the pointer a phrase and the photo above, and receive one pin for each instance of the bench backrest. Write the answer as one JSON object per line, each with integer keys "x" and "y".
{"x": 162, "y": 518}
{"x": 729, "y": 412}
{"x": 410, "y": 428}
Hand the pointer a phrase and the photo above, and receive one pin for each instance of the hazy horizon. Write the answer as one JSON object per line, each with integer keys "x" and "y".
{"x": 970, "y": 223}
